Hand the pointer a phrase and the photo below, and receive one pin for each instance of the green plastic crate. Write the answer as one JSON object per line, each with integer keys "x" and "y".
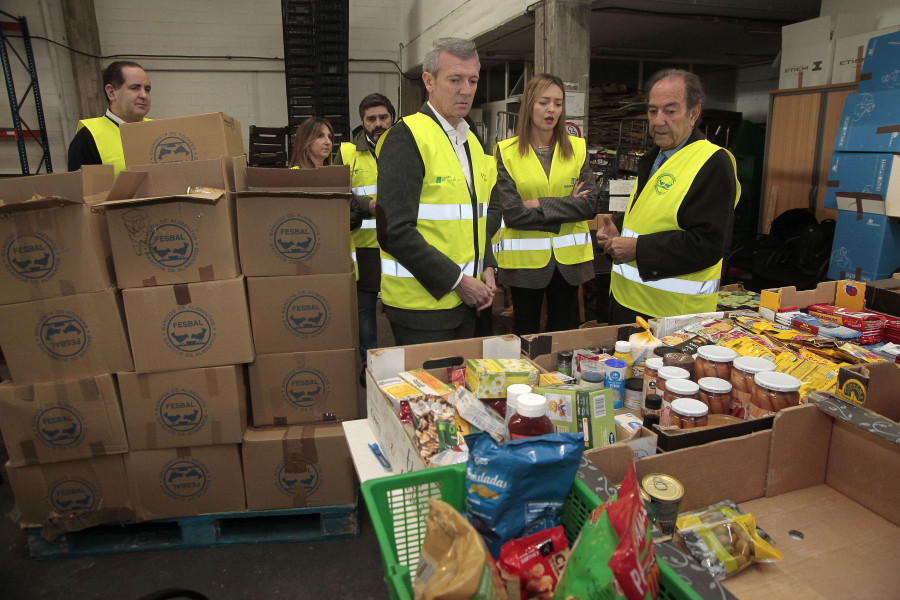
{"x": 398, "y": 506}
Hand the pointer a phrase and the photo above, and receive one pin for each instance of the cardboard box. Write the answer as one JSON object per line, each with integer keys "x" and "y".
{"x": 189, "y": 325}
{"x": 873, "y": 386}
{"x": 489, "y": 378}
{"x": 675, "y": 439}
{"x": 879, "y": 70}
{"x": 65, "y": 338}
{"x": 395, "y": 438}
{"x": 163, "y": 233}
{"x": 298, "y": 467}
{"x": 61, "y": 420}
{"x": 183, "y": 482}
{"x": 306, "y": 313}
{"x": 854, "y": 295}
{"x": 865, "y": 182}
{"x": 543, "y": 347}
{"x": 866, "y": 247}
{"x": 196, "y": 407}
{"x": 849, "y": 52}
{"x": 52, "y": 243}
{"x": 71, "y": 495}
{"x": 869, "y": 123}
{"x": 581, "y": 408}
{"x": 629, "y": 430}
{"x": 198, "y": 137}
{"x": 294, "y": 221}
{"x": 807, "y": 48}
{"x": 812, "y": 473}
{"x": 302, "y": 387}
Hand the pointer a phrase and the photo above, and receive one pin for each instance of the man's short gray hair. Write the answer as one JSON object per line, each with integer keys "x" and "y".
{"x": 693, "y": 89}
{"x": 458, "y": 47}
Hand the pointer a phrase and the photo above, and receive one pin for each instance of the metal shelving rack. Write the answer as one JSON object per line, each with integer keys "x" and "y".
{"x": 20, "y": 130}
{"x": 316, "y": 62}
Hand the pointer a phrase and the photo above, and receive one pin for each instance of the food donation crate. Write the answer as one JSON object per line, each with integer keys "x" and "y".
{"x": 398, "y": 506}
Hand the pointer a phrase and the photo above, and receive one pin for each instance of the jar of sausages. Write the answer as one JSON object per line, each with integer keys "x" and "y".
{"x": 676, "y": 388}
{"x": 650, "y": 373}
{"x": 688, "y": 413}
{"x": 714, "y": 361}
{"x": 774, "y": 391}
{"x": 664, "y": 374}
{"x": 743, "y": 370}
{"x": 715, "y": 392}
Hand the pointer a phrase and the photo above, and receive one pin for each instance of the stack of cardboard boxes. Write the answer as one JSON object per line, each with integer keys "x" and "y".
{"x": 171, "y": 231}
{"x": 864, "y": 177}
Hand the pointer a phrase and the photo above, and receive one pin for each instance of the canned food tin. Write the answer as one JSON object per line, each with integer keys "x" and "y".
{"x": 665, "y": 494}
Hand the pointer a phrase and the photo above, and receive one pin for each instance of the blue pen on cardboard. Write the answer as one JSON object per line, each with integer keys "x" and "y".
{"x": 378, "y": 454}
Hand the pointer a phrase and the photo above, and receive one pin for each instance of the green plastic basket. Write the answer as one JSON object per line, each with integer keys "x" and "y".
{"x": 398, "y": 506}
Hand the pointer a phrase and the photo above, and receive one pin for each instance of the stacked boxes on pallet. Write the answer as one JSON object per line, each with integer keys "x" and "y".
{"x": 864, "y": 177}
{"x": 295, "y": 252}
{"x": 62, "y": 329}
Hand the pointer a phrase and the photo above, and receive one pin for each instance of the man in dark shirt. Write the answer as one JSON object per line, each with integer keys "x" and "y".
{"x": 97, "y": 141}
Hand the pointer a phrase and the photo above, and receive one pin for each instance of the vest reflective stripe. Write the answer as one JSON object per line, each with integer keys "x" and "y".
{"x": 108, "y": 140}
{"x": 450, "y": 212}
{"x": 446, "y": 218}
{"x": 656, "y": 209}
{"x": 520, "y": 249}
{"x": 367, "y": 224}
{"x": 673, "y": 284}
{"x": 395, "y": 269}
{"x": 365, "y": 190}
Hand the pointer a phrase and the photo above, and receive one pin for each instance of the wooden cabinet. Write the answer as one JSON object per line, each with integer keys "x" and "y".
{"x": 800, "y": 137}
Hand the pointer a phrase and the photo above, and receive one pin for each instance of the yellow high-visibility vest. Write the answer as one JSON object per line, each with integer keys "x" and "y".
{"x": 364, "y": 182}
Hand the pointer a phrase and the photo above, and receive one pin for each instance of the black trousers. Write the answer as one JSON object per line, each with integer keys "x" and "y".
{"x": 405, "y": 336}
{"x": 621, "y": 315}
{"x": 562, "y": 306}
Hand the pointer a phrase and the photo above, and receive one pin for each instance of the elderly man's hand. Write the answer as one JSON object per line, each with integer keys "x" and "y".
{"x": 607, "y": 231}
{"x": 474, "y": 293}
{"x": 621, "y": 249}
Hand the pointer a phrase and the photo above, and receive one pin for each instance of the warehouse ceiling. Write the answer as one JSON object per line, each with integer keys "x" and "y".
{"x": 727, "y": 32}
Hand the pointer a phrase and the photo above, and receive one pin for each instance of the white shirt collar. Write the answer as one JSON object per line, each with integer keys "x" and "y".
{"x": 462, "y": 130}
{"x": 110, "y": 115}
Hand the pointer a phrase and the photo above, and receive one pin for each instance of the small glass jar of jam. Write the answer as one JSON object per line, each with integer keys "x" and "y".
{"x": 715, "y": 392}
{"x": 688, "y": 413}
{"x": 531, "y": 417}
{"x": 680, "y": 359}
{"x": 651, "y": 367}
{"x": 676, "y": 388}
{"x": 744, "y": 368}
{"x": 714, "y": 361}
{"x": 774, "y": 391}
{"x": 665, "y": 374}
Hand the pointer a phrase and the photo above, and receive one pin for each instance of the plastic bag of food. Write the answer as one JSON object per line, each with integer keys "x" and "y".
{"x": 532, "y": 565}
{"x": 518, "y": 488}
{"x": 435, "y": 422}
{"x": 614, "y": 556}
{"x": 454, "y": 563}
{"x": 725, "y": 546}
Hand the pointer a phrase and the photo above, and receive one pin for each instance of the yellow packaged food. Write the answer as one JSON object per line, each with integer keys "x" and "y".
{"x": 426, "y": 383}
{"x": 489, "y": 378}
{"x": 748, "y": 346}
{"x": 398, "y": 390}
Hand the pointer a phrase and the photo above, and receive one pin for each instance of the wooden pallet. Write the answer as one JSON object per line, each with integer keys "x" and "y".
{"x": 222, "y": 529}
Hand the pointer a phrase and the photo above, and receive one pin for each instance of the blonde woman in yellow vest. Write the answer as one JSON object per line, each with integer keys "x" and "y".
{"x": 668, "y": 258}
{"x": 98, "y": 141}
{"x": 547, "y": 192}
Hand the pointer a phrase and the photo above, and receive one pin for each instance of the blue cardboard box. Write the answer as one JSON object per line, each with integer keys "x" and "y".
{"x": 881, "y": 64}
{"x": 870, "y": 123}
{"x": 866, "y": 247}
{"x": 871, "y": 178}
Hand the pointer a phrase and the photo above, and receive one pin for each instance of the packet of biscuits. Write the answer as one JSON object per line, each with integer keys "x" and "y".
{"x": 531, "y": 566}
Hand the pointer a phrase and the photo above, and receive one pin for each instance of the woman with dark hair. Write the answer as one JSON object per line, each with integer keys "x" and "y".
{"x": 313, "y": 142}
{"x": 546, "y": 191}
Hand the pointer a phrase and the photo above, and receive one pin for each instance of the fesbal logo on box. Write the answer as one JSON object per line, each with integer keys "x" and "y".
{"x": 31, "y": 257}
{"x": 189, "y": 331}
{"x": 169, "y": 245}
{"x": 171, "y": 147}
{"x": 304, "y": 474}
{"x": 59, "y": 427}
{"x": 73, "y": 496}
{"x": 306, "y": 313}
{"x": 63, "y": 335}
{"x": 302, "y": 387}
{"x": 184, "y": 478}
{"x": 181, "y": 411}
{"x": 294, "y": 238}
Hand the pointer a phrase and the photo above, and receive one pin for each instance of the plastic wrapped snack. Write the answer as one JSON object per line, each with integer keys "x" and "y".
{"x": 454, "y": 563}
{"x": 518, "y": 488}
{"x": 435, "y": 422}
{"x": 532, "y": 565}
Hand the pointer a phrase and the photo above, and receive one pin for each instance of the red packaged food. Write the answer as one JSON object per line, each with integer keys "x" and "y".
{"x": 869, "y": 324}
{"x": 634, "y": 561}
{"x": 532, "y": 565}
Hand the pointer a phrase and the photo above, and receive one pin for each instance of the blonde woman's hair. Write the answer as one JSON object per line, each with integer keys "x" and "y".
{"x": 525, "y": 130}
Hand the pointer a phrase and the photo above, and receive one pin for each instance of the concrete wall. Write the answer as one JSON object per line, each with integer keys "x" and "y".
{"x": 887, "y": 11}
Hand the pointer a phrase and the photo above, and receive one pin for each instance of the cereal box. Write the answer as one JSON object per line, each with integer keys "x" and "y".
{"x": 489, "y": 378}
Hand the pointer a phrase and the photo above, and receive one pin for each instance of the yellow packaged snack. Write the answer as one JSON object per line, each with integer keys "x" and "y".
{"x": 748, "y": 346}
{"x": 489, "y": 378}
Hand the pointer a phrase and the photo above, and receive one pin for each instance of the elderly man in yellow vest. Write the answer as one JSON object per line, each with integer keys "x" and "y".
{"x": 97, "y": 141}
{"x": 668, "y": 258}
{"x": 434, "y": 186}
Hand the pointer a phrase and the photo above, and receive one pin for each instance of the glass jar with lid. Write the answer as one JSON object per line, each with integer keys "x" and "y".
{"x": 676, "y": 388}
{"x": 651, "y": 367}
{"x": 715, "y": 392}
{"x": 665, "y": 374}
{"x": 688, "y": 413}
{"x": 714, "y": 361}
{"x": 775, "y": 391}
{"x": 680, "y": 359}
{"x": 743, "y": 370}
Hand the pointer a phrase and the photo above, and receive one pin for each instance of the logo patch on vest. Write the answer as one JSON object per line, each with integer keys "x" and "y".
{"x": 663, "y": 182}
